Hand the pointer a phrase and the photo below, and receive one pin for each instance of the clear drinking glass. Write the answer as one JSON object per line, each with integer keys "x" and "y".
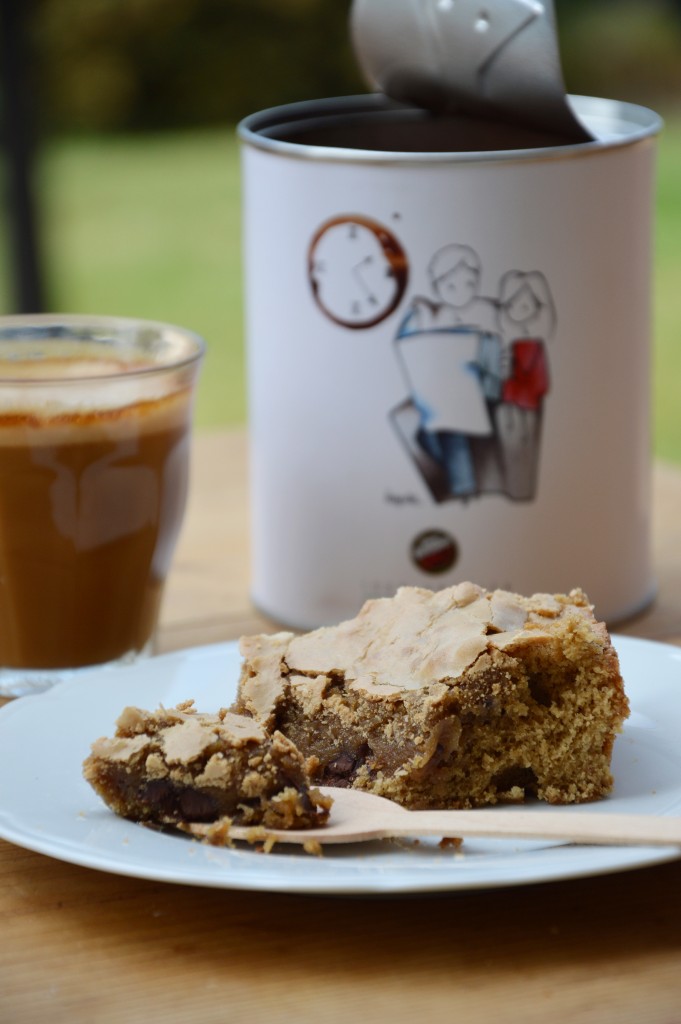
{"x": 95, "y": 419}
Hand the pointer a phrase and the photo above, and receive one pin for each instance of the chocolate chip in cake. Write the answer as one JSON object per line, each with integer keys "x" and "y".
{"x": 516, "y": 778}
{"x": 342, "y": 769}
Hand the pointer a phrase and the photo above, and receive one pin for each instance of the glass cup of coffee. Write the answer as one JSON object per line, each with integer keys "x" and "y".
{"x": 95, "y": 418}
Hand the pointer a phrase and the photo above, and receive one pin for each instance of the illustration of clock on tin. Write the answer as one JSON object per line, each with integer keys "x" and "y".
{"x": 358, "y": 270}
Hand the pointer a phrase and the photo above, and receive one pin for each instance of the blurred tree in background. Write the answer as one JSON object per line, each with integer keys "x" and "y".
{"x": 622, "y": 49}
{"x": 137, "y": 64}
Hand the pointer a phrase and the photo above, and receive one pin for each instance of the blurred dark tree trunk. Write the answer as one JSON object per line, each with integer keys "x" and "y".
{"x": 18, "y": 142}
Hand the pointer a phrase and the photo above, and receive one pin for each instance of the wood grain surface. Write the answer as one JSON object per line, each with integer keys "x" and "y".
{"x": 84, "y": 947}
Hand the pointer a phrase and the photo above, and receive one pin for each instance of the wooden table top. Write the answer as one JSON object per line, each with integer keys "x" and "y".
{"x": 90, "y": 948}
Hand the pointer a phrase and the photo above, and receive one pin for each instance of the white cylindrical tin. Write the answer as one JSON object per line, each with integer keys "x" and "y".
{"x": 448, "y": 328}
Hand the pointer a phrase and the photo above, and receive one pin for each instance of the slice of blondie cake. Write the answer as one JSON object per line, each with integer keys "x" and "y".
{"x": 179, "y": 768}
{"x": 452, "y": 699}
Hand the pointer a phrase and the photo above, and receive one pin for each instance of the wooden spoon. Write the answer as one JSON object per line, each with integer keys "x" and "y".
{"x": 358, "y": 817}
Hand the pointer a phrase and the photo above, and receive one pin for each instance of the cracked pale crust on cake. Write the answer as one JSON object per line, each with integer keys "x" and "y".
{"x": 451, "y": 699}
{"x": 178, "y": 767}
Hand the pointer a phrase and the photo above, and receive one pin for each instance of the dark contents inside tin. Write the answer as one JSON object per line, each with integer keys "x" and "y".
{"x": 408, "y": 130}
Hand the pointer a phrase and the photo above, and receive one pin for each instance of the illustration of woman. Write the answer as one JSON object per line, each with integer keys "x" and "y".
{"x": 527, "y": 319}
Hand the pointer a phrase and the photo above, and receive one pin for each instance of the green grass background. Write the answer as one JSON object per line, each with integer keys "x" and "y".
{"x": 667, "y": 309}
{"x": 149, "y": 225}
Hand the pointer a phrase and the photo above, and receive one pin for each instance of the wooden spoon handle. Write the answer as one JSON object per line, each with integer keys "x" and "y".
{"x": 563, "y": 826}
{"x": 570, "y": 826}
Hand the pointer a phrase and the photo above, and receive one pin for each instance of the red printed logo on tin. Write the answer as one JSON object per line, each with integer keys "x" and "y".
{"x": 434, "y": 551}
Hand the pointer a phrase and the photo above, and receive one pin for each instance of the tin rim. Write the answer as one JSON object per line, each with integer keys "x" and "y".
{"x": 615, "y": 123}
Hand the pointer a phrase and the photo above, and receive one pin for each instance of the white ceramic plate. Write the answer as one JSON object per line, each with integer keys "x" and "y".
{"x": 45, "y": 805}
